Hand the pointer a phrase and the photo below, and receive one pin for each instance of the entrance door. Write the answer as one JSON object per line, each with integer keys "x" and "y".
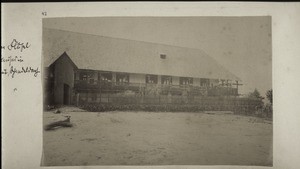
{"x": 66, "y": 94}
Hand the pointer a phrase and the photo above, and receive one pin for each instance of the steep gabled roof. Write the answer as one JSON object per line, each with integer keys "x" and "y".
{"x": 67, "y": 57}
{"x": 122, "y": 55}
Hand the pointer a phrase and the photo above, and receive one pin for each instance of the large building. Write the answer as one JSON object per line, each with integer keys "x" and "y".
{"x": 83, "y": 67}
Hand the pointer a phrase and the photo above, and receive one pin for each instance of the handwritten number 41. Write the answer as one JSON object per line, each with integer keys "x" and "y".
{"x": 44, "y": 13}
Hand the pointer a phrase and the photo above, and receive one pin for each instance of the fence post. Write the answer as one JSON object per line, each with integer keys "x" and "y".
{"x": 143, "y": 95}
{"x": 100, "y": 95}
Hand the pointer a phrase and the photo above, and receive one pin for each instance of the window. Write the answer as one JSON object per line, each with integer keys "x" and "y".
{"x": 186, "y": 81}
{"x": 152, "y": 79}
{"x": 49, "y": 72}
{"x": 83, "y": 76}
{"x": 163, "y": 56}
{"x": 167, "y": 80}
{"x": 87, "y": 76}
{"x": 214, "y": 82}
{"x": 122, "y": 78}
{"x": 105, "y": 76}
{"x": 204, "y": 82}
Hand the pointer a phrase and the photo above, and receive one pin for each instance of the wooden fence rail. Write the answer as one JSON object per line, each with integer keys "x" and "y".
{"x": 235, "y": 104}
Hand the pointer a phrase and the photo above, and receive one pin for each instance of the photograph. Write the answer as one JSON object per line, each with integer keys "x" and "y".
{"x": 163, "y": 90}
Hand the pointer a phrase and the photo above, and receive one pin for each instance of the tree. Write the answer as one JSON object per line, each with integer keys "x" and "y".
{"x": 269, "y": 95}
{"x": 255, "y": 94}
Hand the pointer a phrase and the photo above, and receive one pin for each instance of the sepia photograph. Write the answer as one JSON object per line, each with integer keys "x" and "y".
{"x": 157, "y": 91}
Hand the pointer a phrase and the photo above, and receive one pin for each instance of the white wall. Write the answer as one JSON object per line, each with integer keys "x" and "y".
{"x": 137, "y": 78}
{"x": 175, "y": 80}
{"x": 196, "y": 81}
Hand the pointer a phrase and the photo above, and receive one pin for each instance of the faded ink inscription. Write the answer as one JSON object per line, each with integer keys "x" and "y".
{"x": 14, "y": 60}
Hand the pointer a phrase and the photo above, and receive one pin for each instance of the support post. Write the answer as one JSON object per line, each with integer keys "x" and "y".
{"x": 237, "y": 86}
{"x": 77, "y": 99}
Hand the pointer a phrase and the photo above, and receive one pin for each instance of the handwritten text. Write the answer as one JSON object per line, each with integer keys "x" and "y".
{"x": 16, "y": 45}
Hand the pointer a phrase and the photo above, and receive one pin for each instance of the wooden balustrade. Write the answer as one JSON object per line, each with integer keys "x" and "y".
{"x": 148, "y": 89}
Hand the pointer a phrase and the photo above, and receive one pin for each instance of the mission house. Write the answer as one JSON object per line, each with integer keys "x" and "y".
{"x": 90, "y": 68}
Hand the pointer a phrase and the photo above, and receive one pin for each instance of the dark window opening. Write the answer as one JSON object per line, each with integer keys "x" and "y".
{"x": 151, "y": 79}
{"x": 105, "y": 77}
{"x": 167, "y": 80}
{"x": 214, "y": 82}
{"x": 122, "y": 78}
{"x": 186, "y": 81}
{"x": 163, "y": 56}
{"x": 204, "y": 82}
{"x": 49, "y": 72}
{"x": 85, "y": 75}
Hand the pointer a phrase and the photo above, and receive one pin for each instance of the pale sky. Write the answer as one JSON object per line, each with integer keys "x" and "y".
{"x": 243, "y": 45}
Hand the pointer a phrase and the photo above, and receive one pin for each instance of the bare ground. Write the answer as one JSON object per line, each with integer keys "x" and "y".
{"x": 157, "y": 138}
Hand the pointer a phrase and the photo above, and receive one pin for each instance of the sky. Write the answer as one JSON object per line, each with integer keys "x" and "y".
{"x": 243, "y": 45}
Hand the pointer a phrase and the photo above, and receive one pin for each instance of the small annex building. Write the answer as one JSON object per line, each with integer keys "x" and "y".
{"x": 59, "y": 80}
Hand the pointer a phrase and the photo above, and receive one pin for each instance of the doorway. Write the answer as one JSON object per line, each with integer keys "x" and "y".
{"x": 66, "y": 94}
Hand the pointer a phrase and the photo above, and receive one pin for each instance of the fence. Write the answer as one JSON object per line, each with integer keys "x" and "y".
{"x": 106, "y": 102}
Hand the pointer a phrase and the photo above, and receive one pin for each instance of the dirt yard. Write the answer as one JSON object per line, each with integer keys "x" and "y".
{"x": 151, "y": 138}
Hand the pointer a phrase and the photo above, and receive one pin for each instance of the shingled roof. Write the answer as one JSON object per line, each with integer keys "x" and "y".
{"x": 121, "y": 55}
